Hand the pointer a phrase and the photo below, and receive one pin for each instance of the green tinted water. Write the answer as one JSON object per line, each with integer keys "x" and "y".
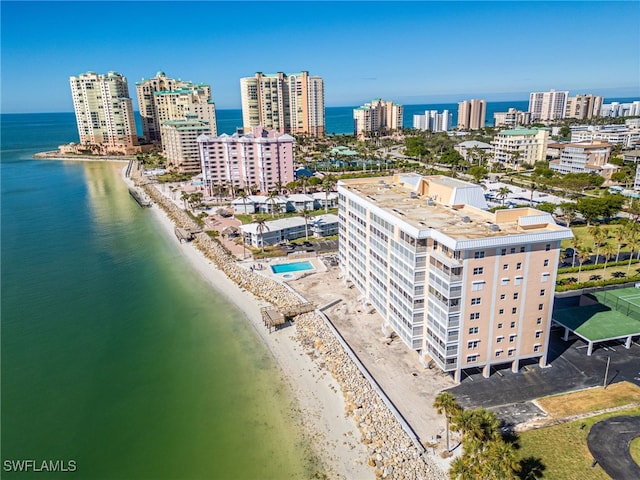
{"x": 115, "y": 354}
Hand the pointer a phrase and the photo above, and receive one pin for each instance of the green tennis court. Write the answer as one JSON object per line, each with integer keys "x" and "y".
{"x": 610, "y": 315}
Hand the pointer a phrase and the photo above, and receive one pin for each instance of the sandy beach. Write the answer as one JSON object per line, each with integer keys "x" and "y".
{"x": 353, "y": 426}
{"x": 321, "y": 406}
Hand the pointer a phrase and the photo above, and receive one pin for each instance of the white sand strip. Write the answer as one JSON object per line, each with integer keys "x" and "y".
{"x": 335, "y": 436}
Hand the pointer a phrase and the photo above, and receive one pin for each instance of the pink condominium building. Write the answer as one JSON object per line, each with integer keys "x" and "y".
{"x": 463, "y": 287}
{"x": 262, "y": 158}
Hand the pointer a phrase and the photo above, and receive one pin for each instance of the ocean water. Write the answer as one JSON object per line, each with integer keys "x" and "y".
{"x": 340, "y": 119}
{"x": 115, "y": 355}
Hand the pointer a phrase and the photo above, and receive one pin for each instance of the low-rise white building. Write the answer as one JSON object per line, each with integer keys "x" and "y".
{"x": 470, "y": 148}
{"x": 614, "y": 134}
{"x": 434, "y": 121}
{"x": 285, "y": 229}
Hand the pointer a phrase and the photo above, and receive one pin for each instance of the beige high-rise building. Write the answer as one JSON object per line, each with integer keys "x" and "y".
{"x": 289, "y": 103}
{"x": 104, "y": 112}
{"x": 471, "y": 114}
{"x": 180, "y": 142}
{"x": 378, "y": 117}
{"x": 549, "y": 105}
{"x": 162, "y": 99}
{"x": 518, "y": 146}
{"x": 464, "y": 287}
{"x": 584, "y": 106}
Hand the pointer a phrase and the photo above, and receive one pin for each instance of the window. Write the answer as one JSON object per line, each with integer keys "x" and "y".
{"x": 505, "y": 266}
{"x": 478, "y": 254}
{"x": 499, "y": 353}
{"x": 475, "y": 301}
{"x": 514, "y": 310}
{"x": 474, "y": 316}
{"x": 542, "y": 292}
{"x": 539, "y": 321}
{"x": 536, "y": 347}
{"x": 474, "y": 330}
{"x": 512, "y": 338}
{"x": 519, "y": 266}
{"x": 522, "y": 249}
{"x": 504, "y": 282}
{"x": 511, "y": 352}
{"x": 513, "y": 250}
{"x": 545, "y": 277}
{"x": 502, "y": 296}
{"x": 546, "y": 262}
{"x": 472, "y": 358}
{"x": 547, "y": 247}
{"x": 476, "y": 286}
{"x": 499, "y": 325}
{"x": 503, "y": 251}
{"x": 518, "y": 281}
{"x": 478, "y": 270}
{"x": 513, "y": 324}
{"x": 473, "y": 344}
{"x": 541, "y": 306}
{"x": 499, "y": 339}
{"x": 538, "y": 333}
{"x": 515, "y": 296}
{"x": 501, "y": 311}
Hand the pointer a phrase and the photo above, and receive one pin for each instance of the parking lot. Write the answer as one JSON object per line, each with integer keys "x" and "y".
{"x": 570, "y": 369}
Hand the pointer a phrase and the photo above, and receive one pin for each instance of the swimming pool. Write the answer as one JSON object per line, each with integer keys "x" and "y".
{"x": 292, "y": 267}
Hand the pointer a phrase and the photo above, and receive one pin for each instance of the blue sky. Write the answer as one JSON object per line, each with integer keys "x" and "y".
{"x": 407, "y": 52}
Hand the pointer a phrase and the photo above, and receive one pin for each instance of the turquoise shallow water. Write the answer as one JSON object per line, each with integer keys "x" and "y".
{"x": 114, "y": 353}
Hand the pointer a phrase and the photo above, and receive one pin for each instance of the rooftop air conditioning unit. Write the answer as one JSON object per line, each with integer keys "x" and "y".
{"x": 466, "y": 219}
{"x": 430, "y": 202}
{"x": 413, "y": 195}
{"x": 494, "y": 228}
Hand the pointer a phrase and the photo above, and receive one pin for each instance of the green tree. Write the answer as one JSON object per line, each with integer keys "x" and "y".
{"x": 271, "y": 198}
{"x": 608, "y": 250}
{"x": 306, "y": 215}
{"x": 569, "y": 210}
{"x": 478, "y": 173}
{"x": 261, "y": 226}
{"x": 503, "y": 192}
{"x": 547, "y": 207}
{"x": 447, "y": 404}
{"x": 583, "y": 253}
{"x": 327, "y": 185}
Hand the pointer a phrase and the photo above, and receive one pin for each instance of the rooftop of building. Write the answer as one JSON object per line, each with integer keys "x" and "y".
{"x": 586, "y": 145}
{"x": 521, "y": 131}
{"x": 473, "y": 144}
{"x": 291, "y": 222}
{"x": 450, "y": 206}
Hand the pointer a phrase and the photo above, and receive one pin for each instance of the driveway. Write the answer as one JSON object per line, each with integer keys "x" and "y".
{"x": 609, "y": 442}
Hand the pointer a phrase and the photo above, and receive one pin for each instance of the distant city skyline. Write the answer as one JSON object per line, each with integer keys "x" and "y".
{"x": 363, "y": 50}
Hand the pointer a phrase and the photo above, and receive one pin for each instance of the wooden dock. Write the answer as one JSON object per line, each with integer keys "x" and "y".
{"x": 272, "y": 318}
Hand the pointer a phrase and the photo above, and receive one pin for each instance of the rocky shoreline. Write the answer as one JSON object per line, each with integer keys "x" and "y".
{"x": 392, "y": 453}
{"x": 56, "y": 155}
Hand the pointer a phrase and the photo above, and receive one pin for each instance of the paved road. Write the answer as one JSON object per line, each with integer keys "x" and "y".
{"x": 609, "y": 442}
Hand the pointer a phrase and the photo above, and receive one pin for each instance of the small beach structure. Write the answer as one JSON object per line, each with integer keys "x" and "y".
{"x": 272, "y": 318}
{"x": 183, "y": 234}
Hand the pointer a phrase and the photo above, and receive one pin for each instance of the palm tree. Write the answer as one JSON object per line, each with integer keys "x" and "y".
{"x": 271, "y": 197}
{"x": 447, "y": 404}
{"x": 634, "y": 244}
{"x": 306, "y": 216}
{"x": 501, "y": 462}
{"x": 599, "y": 236}
{"x": 327, "y": 185}
{"x": 185, "y": 198}
{"x": 243, "y": 195}
{"x": 621, "y": 236}
{"x": 261, "y": 226}
{"x": 584, "y": 253}
{"x": 503, "y": 193}
{"x": 608, "y": 250}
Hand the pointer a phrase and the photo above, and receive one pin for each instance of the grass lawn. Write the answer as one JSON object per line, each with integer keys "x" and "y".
{"x": 582, "y": 234}
{"x": 591, "y": 400}
{"x": 635, "y": 450}
{"x": 563, "y": 450}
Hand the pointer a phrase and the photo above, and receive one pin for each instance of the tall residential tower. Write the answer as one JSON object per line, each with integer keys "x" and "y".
{"x": 464, "y": 287}
{"x": 549, "y": 105}
{"x": 289, "y": 103}
{"x": 378, "y": 117}
{"x": 471, "y": 114}
{"x": 104, "y": 112}
{"x": 162, "y": 99}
